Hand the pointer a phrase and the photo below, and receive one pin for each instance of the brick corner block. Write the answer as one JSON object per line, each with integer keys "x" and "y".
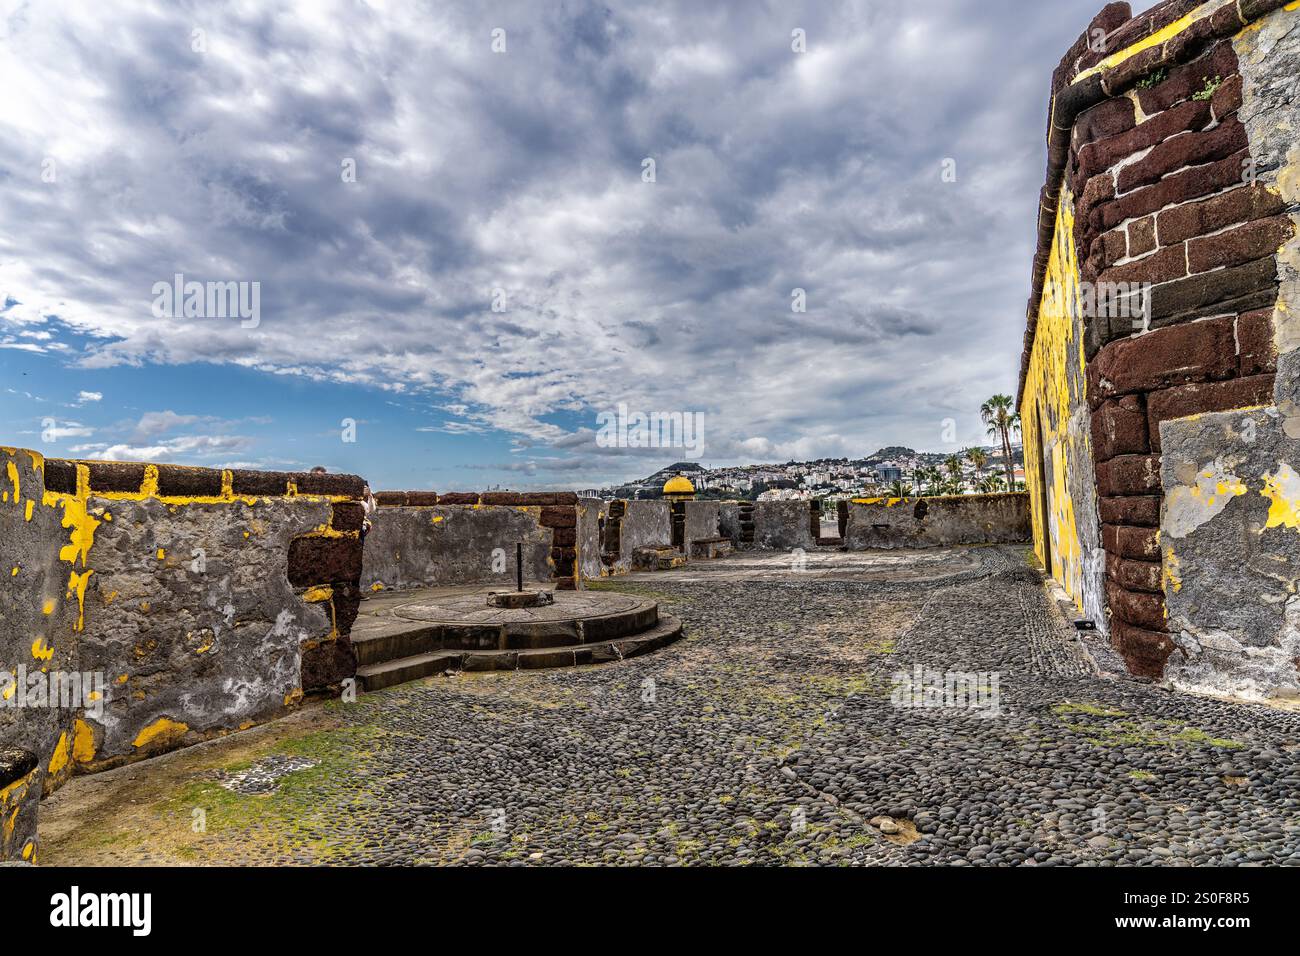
{"x": 318, "y": 559}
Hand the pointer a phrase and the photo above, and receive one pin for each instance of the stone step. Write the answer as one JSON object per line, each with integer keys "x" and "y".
{"x": 376, "y": 640}
{"x": 830, "y": 542}
{"x": 657, "y": 558}
{"x": 381, "y": 638}
{"x": 377, "y": 676}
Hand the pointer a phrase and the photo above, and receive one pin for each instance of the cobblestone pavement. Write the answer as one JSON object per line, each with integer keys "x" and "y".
{"x": 773, "y": 733}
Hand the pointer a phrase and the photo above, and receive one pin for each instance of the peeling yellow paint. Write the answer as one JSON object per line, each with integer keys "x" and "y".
{"x": 41, "y": 650}
{"x": 1155, "y": 39}
{"x": 1052, "y": 390}
{"x": 48, "y": 607}
{"x": 83, "y": 742}
{"x": 314, "y": 595}
{"x": 377, "y": 586}
{"x": 59, "y": 759}
{"x": 1188, "y": 506}
{"x": 77, "y": 588}
{"x": 1282, "y": 488}
{"x": 162, "y": 730}
{"x": 1170, "y": 573}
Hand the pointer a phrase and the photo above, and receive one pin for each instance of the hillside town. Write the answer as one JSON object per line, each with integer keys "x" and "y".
{"x": 896, "y": 471}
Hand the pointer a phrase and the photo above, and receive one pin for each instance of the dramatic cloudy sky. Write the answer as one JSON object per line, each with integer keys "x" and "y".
{"x": 133, "y": 147}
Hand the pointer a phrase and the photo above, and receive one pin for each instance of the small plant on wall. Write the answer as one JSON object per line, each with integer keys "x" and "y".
{"x": 1154, "y": 78}
{"x": 1210, "y": 88}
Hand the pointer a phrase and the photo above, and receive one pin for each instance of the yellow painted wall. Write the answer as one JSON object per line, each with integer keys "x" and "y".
{"x": 1053, "y": 414}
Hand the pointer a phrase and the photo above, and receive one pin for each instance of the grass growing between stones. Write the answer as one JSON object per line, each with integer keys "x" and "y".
{"x": 1154, "y": 732}
{"x": 635, "y": 589}
{"x": 291, "y": 820}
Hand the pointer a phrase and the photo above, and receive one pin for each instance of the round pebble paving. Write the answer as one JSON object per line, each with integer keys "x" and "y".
{"x": 789, "y": 727}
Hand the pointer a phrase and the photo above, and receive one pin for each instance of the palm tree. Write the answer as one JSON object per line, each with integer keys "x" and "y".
{"x": 926, "y": 478}
{"x": 897, "y": 489}
{"x": 953, "y": 466}
{"x": 1000, "y": 417}
{"x": 978, "y": 458}
{"x": 989, "y": 484}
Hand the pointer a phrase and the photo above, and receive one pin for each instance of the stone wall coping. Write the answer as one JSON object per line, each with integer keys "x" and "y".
{"x": 432, "y": 499}
{"x": 191, "y": 483}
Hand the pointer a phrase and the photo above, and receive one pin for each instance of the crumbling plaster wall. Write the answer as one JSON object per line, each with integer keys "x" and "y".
{"x": 424, "y": 538}
{"x": 645, "y": 524}
{"x": 39, "y": 612}
{"x": 729, "y": 521}
{"x": 199, "y": 602}
{"x": 193, "y": 620}
{"x": 1172, "y": 145}
{"x": 592, "y": 515}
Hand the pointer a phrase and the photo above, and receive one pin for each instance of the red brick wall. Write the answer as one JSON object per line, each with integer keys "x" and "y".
{"x": 1159, "y": 166}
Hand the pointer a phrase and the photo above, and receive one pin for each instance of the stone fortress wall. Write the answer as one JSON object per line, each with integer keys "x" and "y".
{"x": 941, "y": 521}
{"x": 197, "y": 602}
{"x": 422, "y": 538}
{"x": 1160, "y": 428}
{"x": 205, "y": 602}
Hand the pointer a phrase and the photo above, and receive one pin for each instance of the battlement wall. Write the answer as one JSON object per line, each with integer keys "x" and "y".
{"x": 188, "y": 603}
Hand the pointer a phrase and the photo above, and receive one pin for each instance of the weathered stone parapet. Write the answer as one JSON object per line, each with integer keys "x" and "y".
{"x": 179, "y": 604}
{"x": 631, "y": 526}
{"x": 940, "y": 521}
{"x": 420, "y": 538}
{"x": 783, "y": 525}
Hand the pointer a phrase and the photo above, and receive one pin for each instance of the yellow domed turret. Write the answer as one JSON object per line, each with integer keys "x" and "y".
{"x": 678, "y": 488}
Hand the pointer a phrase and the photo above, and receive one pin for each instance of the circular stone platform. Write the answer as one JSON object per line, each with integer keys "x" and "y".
{"x": 568, "y": 605}
{"x": 438, "y": 632}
